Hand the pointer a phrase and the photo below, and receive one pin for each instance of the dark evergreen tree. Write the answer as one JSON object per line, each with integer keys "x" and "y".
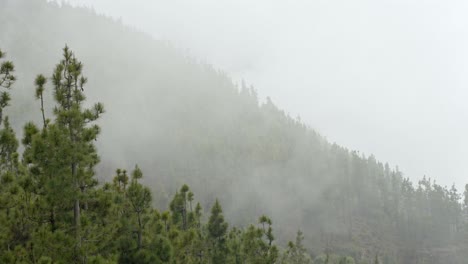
{"x": 296, "y": 253}
{"x": 7, "y": 79}
{"x": 203, "y": 131}
{"x": 217, "y": 230}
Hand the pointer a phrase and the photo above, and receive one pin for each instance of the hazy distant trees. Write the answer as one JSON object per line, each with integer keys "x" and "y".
{"x": 52, "y": 209}
{"x": 186, "y": 122}
{"x": 296, "y": 253}
{"x": 466, "y": 197}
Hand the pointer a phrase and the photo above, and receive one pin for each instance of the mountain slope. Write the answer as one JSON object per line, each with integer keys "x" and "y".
{"x": 183, "y": 121}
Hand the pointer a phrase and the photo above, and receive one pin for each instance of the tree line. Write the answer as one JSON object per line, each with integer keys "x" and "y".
{"x": 54, "y": 210}
{"x": 186, "y": 122}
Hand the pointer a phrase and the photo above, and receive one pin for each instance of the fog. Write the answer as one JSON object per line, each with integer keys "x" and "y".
{"x": 383, "y": 77}
{"x": 323, "y": 115}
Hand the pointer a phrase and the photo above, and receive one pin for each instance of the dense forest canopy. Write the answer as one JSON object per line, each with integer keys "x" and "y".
{"x": 183, "y": 122}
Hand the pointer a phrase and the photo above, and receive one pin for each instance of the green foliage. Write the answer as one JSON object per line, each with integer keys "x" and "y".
{"x": 217, "y": 229}
{"x": 346, "y": 260}
{"x": 216, "y": 226}
{"x": 6, "y": 72}
{"x": 117, "y": 223}
{"x": 9, "y": 145}
{"x": 6, "y": 81}
{"x": 257, "y": 244}
{"x": 203, "y": 131}
{"x": 140, "y": 200}
{"x": 296, "y": 253}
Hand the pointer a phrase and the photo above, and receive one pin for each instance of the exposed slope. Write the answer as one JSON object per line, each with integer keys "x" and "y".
{"x": 185, "y": 122}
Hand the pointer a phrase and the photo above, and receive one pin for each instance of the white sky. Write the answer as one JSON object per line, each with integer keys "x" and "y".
{"x": 387, "y": 77}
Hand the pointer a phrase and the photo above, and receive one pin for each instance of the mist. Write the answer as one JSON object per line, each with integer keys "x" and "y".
{"x": 382, "y": 77}
{"x": 342, "y": 120}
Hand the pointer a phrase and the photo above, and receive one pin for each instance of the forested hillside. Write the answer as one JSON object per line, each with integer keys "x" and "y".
{"x": 184, "y": 122}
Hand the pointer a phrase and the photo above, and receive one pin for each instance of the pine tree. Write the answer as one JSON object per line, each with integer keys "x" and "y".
{"x": 62, "y": 155}
{"x": 217, "y": 229}
{"x": 6, "y": 81}
{"x": 70, "y": 116}
{"x": 14, "y": 231}
{"x": 255, "y": 249}
{"x": 296, "y": 252}
{"x": 8, "y": 141}
{"x": 183, "y": 193}
{"x": 140, "y": 200}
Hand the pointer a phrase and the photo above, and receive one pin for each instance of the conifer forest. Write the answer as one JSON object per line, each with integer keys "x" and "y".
{"x": 116, "y": 147}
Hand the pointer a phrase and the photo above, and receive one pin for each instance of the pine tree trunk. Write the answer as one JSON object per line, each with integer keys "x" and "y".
{"x": 42, "y": 110}
{"x": 140, "y": 231}
{"x": 52, "y": 220}
{"x": 76, "y": 209}
{"x": 184, "y": 214}
{"x": 184, "y": 219}
{"x": 77, "y": 216}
